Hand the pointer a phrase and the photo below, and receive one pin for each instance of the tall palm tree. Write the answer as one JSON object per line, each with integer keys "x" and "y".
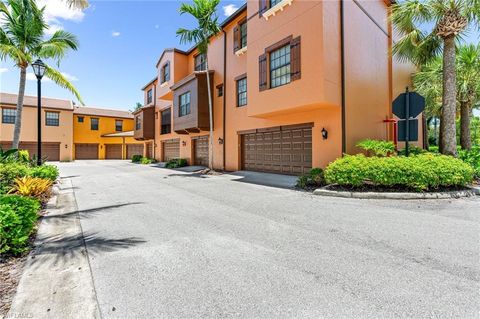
{"x": 204, "y": 11}
{"x": 22, "y": 41}
{"x": 79, "y": 4}
{"x": 468, "y": 78}
{"x": 451, "y": 18}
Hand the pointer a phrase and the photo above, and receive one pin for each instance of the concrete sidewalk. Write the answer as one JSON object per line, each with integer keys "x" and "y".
{"x": 57, "y": 281}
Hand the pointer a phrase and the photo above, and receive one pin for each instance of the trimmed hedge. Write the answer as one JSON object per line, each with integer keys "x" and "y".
{"x": 176, "y": 162}
{"x": 314, "y": 178}
{"x": 49, "y": 172}
{"x": 18, "y": 216}
{"x": 420, "y": 173}
{"x": 136, "y": 158}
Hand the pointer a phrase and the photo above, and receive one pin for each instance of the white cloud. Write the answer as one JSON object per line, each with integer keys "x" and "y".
{"x": 3, "y": 70}
{"x": 157, "y": 26}
{"x": 69, "y": 77}
{"x": 59, "y": 9}
{"x": 53, "y": 28}
{"x": 229, "y": 9}
{"x": 115, "y": 34}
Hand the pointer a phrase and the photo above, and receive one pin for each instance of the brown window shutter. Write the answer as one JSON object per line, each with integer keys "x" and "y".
{"x": 295, "y": 63}
{"x": 236, "y": 39}
{"x": 262, "y": 69}
{"x": 263, "y": 6}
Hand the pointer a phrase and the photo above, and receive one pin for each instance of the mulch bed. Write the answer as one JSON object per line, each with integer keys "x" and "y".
{"x": 11, "y": 270}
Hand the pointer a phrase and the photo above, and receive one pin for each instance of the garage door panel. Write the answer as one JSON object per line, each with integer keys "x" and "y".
{"x": 113, "y": 151}
{"x": 134, "y": 149}
{"x": 200, "y": 151}
{"x": 287, "y": 151}
{"x": 171, "y": 150}
{"x": 86, "y": 151}
{"x": 50, "y": 150}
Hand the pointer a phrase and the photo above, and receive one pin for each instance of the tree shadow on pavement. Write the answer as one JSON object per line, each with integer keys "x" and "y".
{"x": 89, "y": 213}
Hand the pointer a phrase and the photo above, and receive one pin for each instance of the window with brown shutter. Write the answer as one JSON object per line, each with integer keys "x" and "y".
{"x": 263, "y": 6}
{"x": 295, "y": 56}
{"x": 262, "y": 68}
{"x": 236, "y": 39}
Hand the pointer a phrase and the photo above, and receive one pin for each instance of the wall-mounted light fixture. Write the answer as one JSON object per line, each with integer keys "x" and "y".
{"x": 66, "y": 145}
{"x": 220, "y": 140}
{"x": 184, "y": 143}
{"x": 324, "y": 133}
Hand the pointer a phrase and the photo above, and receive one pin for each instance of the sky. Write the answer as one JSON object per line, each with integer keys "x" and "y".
{"x": 120, "y": 43}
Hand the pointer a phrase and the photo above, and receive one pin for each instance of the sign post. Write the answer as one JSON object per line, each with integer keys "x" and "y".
{"x": 407, "y": 106}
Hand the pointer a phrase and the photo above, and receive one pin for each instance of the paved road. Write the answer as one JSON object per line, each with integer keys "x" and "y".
{"x": 164, "y": 244}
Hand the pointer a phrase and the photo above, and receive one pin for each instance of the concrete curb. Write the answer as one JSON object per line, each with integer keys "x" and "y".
{"x": 56, "y": 281}
{"x": 402, "y": 196}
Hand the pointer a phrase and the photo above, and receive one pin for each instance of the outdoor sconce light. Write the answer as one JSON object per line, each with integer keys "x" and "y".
{"x": 220, "y": 141}
{"x": 324, "y": 133}
{"x": 66, "y": 146}
{"x": 184, "y": 143}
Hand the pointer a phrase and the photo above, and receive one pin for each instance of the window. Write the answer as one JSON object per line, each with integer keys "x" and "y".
{"x": 220, "y": 90}
{"x": 118, "y": 125}
{"x": 184, "y": 108}
{"x": 94, "y": 124}
{"x": 166, "y": 72}
{"x": 243, "y": 35}
{"x": 280, "y": 66}
{"x": 138, "y": 123}
{"x": 166, "y": 122}
{"x": 52, "y": 118}
{"x": 80, "y": 119}
{"x": 274, "y": 2}
{"x": 242, "y": 92}
{"x": 8, "y": 116}
{"x": 200, "y": 62}
{"x": 149, "y": 96}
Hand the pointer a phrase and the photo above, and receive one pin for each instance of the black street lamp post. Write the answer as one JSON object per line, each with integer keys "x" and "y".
{"x": 39, "y": 70}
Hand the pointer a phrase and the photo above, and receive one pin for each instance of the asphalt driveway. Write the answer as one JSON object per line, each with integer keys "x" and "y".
{"x": 168, "y": 244}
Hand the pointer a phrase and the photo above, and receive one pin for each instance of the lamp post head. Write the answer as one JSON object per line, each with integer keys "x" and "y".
{"x": 39, "y": 68}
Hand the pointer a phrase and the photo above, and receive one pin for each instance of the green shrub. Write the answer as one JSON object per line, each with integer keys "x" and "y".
{"x": 433, "y": 149}
{"x": 471, "y": 157}
{"x": 314, "y": 178}
{"x": 176, "y": 162}
{"x": 413, "y": 150}
{"x": 23, "y": 156}
{"x": 420, "y": 172}
{"x": 146, "y": 160}
{"x": 377, "y": 147}
{"x": 49, "y": 172}
{"x": 8, "y": 173}
{"x": 17, "y": 221}
{"x": 136, "y": 158}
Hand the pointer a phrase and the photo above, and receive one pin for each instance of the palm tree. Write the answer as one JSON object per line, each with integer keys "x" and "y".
{"x": 468, "y": 78}
{"x": 79, "y": 4}
{"x": 204, "y": 11}
{"x": 22, "y": 41}
{"x": 451, "y": 18}
{"x": 428, "y": 82}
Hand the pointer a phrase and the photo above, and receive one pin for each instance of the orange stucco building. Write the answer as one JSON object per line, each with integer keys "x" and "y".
{"x": 295, "y": 84}
{"x": 70, "y": 132}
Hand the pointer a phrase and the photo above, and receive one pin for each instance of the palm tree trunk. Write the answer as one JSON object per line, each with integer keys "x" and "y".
{"x": 210, "y": 115}
{"x": 465, "y": 138}
{"x": 449, "y": 134}
{"x": 440, "y": 134}
{"x": 18, "y": 115}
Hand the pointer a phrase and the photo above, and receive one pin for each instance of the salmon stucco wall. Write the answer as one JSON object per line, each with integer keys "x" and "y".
{"x": 62, "y": 133}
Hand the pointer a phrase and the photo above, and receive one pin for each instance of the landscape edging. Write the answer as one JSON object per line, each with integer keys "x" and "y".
{"x": 471, "y": 191}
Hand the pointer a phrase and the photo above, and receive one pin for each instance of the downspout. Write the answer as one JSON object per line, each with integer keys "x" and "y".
{"x": 343, "y": 89}
{"x": 224, "y": 93}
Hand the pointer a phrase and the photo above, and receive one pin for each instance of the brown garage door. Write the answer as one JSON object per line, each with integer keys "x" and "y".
{"x": 134, "y": 149}
{"x": 284, "y": 150}
{"x": 149, "y": 150}
{"x": 200, "y": 146}
{"x": 86, "y": 151}
{"x": 113, "y": 151}
{"x": 50, "y": 150}
{"x": 171, "y": 150}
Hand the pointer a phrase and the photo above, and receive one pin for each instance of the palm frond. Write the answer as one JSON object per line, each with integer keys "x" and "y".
{"x": 57, "y": 46}
{"x": 78, "y": 4}
{"x": 61, "y": 81}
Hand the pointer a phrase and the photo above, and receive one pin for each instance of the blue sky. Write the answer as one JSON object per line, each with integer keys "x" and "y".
{"x": 120, "y": 42}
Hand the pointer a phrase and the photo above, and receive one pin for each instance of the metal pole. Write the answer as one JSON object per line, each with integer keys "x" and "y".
{"x": 407, "y": 126}
{"x": 39, "y": 122}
